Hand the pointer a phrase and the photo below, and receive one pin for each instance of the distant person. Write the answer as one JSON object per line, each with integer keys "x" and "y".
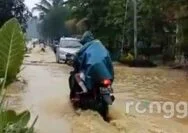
{"x": 42, "y": 46}
{"x": 29, "y": 46}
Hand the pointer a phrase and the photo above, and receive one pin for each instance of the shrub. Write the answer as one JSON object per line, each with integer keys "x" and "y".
{"x": 140, "y": 62}
{"x": 126, "y": 59}
{"x": 10, "y": 122}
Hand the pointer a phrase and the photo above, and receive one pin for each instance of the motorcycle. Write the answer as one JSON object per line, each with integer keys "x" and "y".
{"x": 43, "y": 47}
{"x": 98, "y": 99}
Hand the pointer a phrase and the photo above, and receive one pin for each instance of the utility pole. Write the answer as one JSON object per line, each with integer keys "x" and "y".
{"x": 135, "y": 28}
{"x": 124, "y": 23}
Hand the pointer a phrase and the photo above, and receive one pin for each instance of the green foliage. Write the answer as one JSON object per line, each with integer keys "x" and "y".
{"x": 95, "y": 11}
{"x": 53, "y": 14}
{"x": 183, "y": 42}
{"x": 45, "y": 6}
{"x": 11, "y": 50}
{"x": 71, "y": 26}
{"x": 53, "y": 25}
{"x": 156, "y": 20}
{"x": 11, "y": 56}
{"x": 12, "y": 122}
{"x": 182, "y": 34}
{"x": 13, "y": 8}
{"x": 115, "y": 18}
{"x": 127, "y": 58}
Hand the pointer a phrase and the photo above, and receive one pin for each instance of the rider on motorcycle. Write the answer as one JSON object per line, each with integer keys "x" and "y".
{"x": 92, "y": 63}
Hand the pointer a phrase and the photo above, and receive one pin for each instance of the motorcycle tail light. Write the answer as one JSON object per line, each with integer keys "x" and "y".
{"x": 107, "y": 82}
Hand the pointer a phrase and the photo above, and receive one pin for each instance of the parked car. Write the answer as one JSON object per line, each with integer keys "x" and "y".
{"x": 66, "y": 46}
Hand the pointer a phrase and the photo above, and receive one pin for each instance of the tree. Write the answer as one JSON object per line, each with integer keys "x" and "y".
{"x": 53, "y": 24}
{"x": 71, "y": 26}
{"x": 95, "y": 11}
{"x": 181, "y": 17}
{"x": 157, "y": 22}
{"x": 13, "y": 8}
{"x": 176, "y": 13}
{"x": 53, "y": 14}
{"x": 45, "y": 6}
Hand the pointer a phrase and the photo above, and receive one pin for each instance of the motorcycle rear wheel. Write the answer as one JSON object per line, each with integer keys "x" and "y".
{"x": 85, "y": 102}
{"x": 103, "y": 110}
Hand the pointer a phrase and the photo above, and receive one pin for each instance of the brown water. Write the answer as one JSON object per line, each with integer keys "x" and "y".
{"x": 147, "y": 85}
{"x": 46, "y": 95}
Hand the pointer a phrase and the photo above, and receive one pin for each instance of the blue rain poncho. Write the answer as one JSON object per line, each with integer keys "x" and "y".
{"x": 94, "y": 61}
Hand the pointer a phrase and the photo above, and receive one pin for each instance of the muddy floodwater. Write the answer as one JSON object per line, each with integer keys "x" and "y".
{"x": 46, "y": 91}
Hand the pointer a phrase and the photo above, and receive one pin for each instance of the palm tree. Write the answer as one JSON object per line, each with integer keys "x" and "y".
{"x": 46, "y": 5}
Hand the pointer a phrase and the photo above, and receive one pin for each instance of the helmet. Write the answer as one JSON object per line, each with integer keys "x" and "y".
{"x": 87, "y": 37}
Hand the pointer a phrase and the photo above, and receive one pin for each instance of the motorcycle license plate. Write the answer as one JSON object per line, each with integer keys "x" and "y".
{"x": 105, "y": 90}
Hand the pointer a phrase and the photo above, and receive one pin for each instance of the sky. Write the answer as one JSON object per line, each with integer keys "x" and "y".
{"x": 30, "y": 4}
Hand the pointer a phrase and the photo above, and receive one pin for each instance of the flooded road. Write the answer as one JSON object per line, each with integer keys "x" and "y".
{"x": 46, "y": 95}
{"x": 46, "y": 92}
{"x": 152, "y": 85}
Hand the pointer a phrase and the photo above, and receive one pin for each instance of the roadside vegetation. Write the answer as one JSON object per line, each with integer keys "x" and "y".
{"x": 11, "y": 56}
{"x": 12, "y": 46}
{"x": 14, "y": 8}
{"x": 161, "y": 25}
{"x": 53, "y": 15}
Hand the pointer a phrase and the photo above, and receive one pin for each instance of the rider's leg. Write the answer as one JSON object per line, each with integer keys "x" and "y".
{"x": 81, "y": 83}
